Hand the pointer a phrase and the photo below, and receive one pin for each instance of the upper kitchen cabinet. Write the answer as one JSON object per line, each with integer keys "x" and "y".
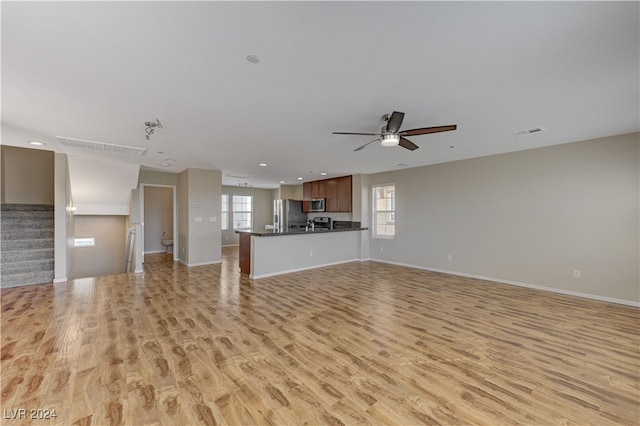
{"x": 331, "y": 195}
{"x": 336, "y": 192}
{"x": 315, "y": 189}
{"x": 344, "y": 194}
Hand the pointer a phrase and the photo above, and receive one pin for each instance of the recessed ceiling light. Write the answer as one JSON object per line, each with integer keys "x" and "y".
{"x": 253, "y": 59}
{"x": 300, "y": 178}
{"x": 282, "y": 181}
{"x": 262, "y": 164}
{"x": 323, "y": 174}
{"x": 166, "y": 164}
{"x": 37, "y": 143}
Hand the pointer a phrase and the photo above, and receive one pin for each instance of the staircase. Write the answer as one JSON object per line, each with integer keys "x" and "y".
{"x": 26, "y": 255}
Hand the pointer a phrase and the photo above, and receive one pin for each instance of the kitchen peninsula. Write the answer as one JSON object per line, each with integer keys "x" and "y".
{"x": 264, "y": 253}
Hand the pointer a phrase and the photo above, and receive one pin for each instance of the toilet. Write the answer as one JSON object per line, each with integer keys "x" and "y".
{"x": 167, "y": 243}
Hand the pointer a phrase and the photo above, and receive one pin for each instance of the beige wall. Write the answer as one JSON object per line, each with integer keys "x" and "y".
{"x": 291, "y": 192}
{"x": 158, "y": 217}
{"x": 107, "y": 257}
{"x": 157, "y": 178}
{"x": 529, "y": 217}
{"x": 27, "y": 175}
{"x": 199, "y": 202}
{"x": 262, "y": 210}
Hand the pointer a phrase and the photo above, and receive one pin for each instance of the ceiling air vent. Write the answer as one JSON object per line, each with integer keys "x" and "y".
{"x": 528, "y": 131}
{"x": 241, "y": 175}
{"x": 100, "y": 146}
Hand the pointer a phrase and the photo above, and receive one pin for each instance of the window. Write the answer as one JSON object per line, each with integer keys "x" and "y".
{"x": 242, "y": 211}
{"x": 384, "y": 211}
{"x": 224, "y": 216}
{"x": 84, "y": 242}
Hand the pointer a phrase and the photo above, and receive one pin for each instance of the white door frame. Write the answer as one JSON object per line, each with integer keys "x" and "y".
{"x": 175, "y": 218}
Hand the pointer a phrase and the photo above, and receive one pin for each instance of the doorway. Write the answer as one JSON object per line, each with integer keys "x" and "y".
{"x": 159, "y": 219}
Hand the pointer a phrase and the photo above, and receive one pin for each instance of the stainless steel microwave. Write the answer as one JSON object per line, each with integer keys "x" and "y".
{"x": 317, "y": 205}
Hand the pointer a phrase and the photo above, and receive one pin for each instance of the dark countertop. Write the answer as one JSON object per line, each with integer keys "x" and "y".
{"x": 293, "y": 231}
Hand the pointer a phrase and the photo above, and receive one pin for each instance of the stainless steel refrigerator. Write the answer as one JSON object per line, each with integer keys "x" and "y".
{"x": 288, "y": 213}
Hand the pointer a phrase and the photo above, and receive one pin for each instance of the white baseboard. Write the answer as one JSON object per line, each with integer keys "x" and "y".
{"x": 153, "y": 252}
{"x": 519, "y": 284}
{"x": 231, "y": 245}
{"x": 215, "y": 262}
{"x": 60, "y": 280}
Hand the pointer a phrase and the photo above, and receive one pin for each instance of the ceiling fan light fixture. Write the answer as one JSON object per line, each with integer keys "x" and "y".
{"x": 390, "y": 140}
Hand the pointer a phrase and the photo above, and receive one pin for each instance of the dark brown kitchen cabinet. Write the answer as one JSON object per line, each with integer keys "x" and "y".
{"x": 344, "y": 194}
{"x": 245, "y": 253}
{"x": 306, "y": 190}
{"x": 315, "y": 189}
{"x": 331, "y": 195}
{"x": 336, "y": 192}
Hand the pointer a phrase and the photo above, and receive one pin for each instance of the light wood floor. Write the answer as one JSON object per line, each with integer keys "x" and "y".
{"x": 359, "y": 343}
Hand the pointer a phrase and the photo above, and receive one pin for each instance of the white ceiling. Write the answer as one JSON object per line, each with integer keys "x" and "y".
{"x": 99, "y": 70}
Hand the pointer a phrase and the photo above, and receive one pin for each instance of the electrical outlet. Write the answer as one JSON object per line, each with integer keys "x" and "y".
{"x": 449, "y": 258}
{"x": 381, "y": 249}
{"x": 310, "y": 253}
{"x": 577, "y": 273}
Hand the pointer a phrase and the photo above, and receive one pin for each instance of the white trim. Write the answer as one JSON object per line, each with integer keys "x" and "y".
{"x": 189, "y": 265}
{"x": 60, "y": 280}
{"x": 231, "y": 245}
{"x": 306, "y": 268}
{"x": 153, "y": 252}
{"x": 633, "y": 303}
{"x": 138, "y": 271}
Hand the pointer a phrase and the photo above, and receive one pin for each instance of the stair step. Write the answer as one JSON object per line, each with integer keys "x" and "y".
{"x": 26, "y": 223}
{"x": 6, "y": 207}
{"x": 26, "y": 266}
{"x": 26, "y": 215}
{"x": 26, "y": 234}
{"x": 25, "y": 278}
{"x": 24, "y": 255}
{"x": 27, "y": 241}
{"x": 39, "y": 243}
{"x": 21, "y": 213}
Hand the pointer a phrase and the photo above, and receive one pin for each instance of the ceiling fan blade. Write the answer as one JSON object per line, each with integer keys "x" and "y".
{"x": 347, "y": 133}
{"x": 395, "y": 121}
{"x": 427, "y": 130}
{"x": 406, "y": 143}
{"x": 366, "y": 145}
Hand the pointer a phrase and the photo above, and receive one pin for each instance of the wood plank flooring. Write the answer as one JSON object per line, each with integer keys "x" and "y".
{"x": 358, "y": 343}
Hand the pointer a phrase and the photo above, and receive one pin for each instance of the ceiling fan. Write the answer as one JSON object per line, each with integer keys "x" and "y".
{"x": 390, "y": 134}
